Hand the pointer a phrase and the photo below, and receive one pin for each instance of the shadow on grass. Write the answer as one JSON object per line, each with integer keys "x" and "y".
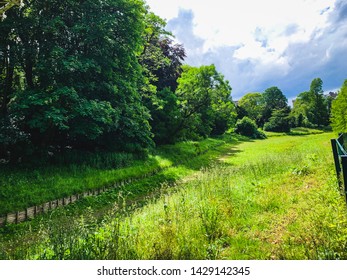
{"x": 120, "y": 201}
{"x": 22, "y": 188}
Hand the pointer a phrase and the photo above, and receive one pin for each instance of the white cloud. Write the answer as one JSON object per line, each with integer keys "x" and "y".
{"x": 235, "y": 23}
{"x": 257, "y": 44}
{"x": 225, "y": 22}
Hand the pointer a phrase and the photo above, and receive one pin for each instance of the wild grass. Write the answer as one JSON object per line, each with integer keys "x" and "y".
{"x": 25, "y": 186}
{"x": 15, "y": 238}
{"x": 267, "y": 199}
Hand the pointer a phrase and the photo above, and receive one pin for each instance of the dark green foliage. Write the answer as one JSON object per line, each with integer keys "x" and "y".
{"x": 165, "y": 117}
{"x": 319, "y": 106}
{"x": 11, "y": 138}
{"x": 279, "y": 121}
{"x": 240, "y": 112}
{"x": 330, "y": 97}
{"x": 273, "y": 99}
{"x": 161, "y": 60}
{"x": 100, "y": 76}
{"x": 82, "y": 76}
{"x": 299, "y": 121}
{"x": 247, "y": 127}
{"x": 311, "y": 108}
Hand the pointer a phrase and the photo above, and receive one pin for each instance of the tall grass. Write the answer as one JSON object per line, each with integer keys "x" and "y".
{"x": 272, "y": 199}
{"x": 24, "y": 186}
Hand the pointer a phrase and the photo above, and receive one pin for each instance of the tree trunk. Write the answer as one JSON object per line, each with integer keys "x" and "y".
{"x": 28, "y": 68}
{"x": 8, "y": 87}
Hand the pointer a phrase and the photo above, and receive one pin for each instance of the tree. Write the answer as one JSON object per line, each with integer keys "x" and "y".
{"x": 252, "y": 105}
{"x": 280, "y": 121}
{"x": 165, "y": 117}
{"x": 312, "y": 106}
{"x": 330, "y": 97}
{"x": 161, "y": 60}
{"x": 319, "y": 106}
{"x": 339, "y": 110}
{"x": 273, "y": 99}
{"x": 303, "y": 109}
{"x": 203, "y": 98}
{"x": 82, "y": 76}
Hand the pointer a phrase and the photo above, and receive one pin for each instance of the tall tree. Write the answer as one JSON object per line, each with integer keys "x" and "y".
{"x": 303, "y": 109}
{"x": 252, "y": 105}
{"x": 339, "y": 110}
{"x": 204, "y": 99}
{"x": 320, "y": 106}
{"x": 161, "y": 59}
{"x": 312, "y": 106}
{"x": 273, "y": 99}
{"x": 11, "y": 135}
{"x": 82, "y": 75}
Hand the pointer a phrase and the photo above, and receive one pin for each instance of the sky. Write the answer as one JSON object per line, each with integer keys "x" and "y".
{"x": 259, "y": 44}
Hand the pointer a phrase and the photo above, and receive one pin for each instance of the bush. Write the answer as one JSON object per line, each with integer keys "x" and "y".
{"x": 247, "y": 127}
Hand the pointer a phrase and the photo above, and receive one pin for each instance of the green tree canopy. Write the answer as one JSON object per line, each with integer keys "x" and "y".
{"x": 273, "y": 99}
{"x": 161, "y": 59}
{"x": 204, "y": 99}
{"x": 280, "y": 121}
{"x": 81, "y": 73}
{"x": 248, "y": 127}
{"x": 252, "y": 105}
{"x": 311, "y": 107}
{"x": 339, "y": 110}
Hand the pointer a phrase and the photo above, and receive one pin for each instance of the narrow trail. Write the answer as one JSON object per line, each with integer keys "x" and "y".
{"x": 132, "y": 204}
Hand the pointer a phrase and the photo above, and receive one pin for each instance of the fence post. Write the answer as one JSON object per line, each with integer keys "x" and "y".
{"x": 341, "y": 140}
{"x": 344, "y": 172}
{"x": 336, "y": 160}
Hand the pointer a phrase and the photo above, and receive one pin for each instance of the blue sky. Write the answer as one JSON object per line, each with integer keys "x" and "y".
{"x": 258, "y": 44}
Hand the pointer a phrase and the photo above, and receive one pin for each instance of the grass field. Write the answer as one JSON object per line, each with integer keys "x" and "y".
{"x": 265, "y": 199}
{"x": 26, "y": 186}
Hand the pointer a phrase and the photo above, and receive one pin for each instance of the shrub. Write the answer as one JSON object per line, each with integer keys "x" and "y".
{"x": 247, "y": 127}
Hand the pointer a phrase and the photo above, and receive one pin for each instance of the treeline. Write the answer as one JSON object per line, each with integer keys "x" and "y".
{"x": 270, "y": 110}
{"x": 97, "y": 75}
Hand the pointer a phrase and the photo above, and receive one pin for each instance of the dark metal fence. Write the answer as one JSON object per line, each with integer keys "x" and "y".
{"x": 340, "y": 159}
